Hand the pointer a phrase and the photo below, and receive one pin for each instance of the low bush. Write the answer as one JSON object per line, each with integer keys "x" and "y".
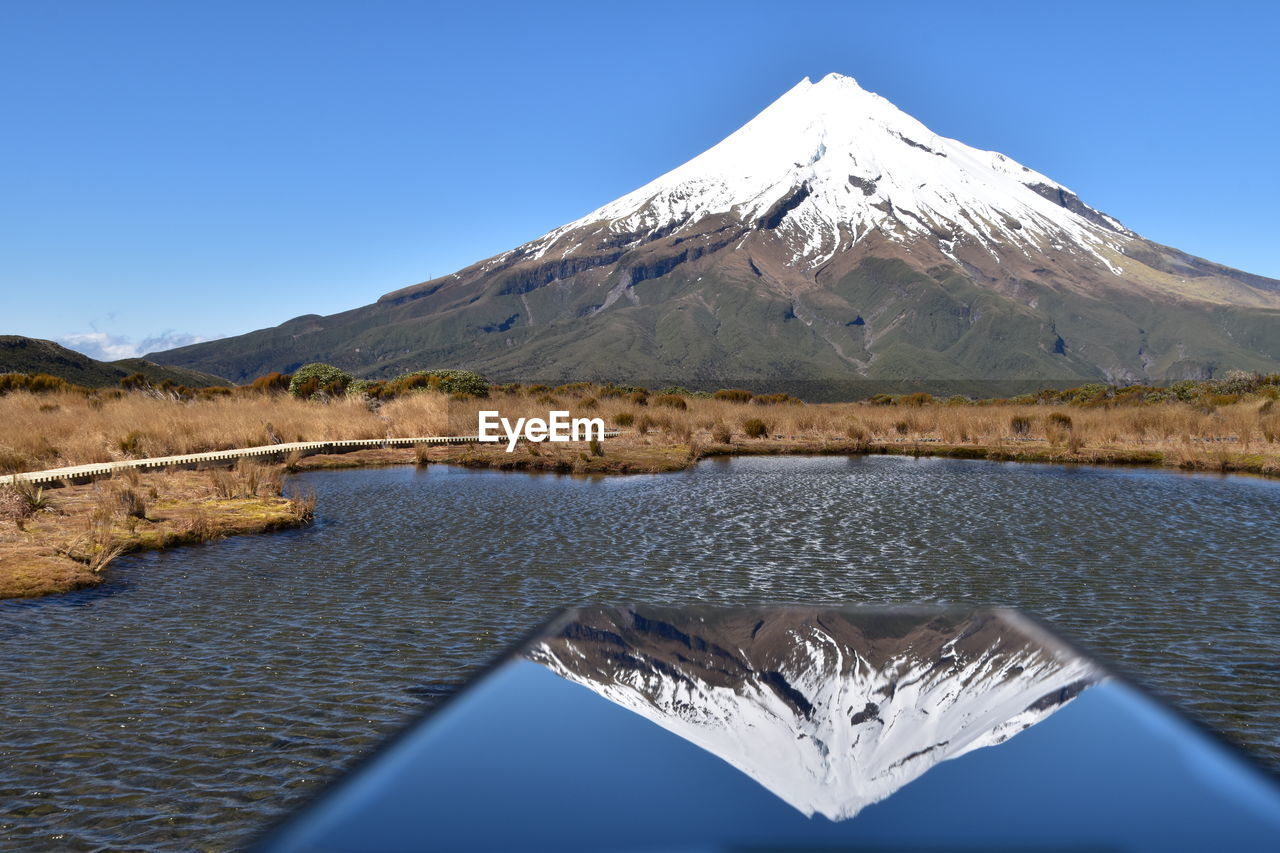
{"x": 774, "y": 399}
{"x": 755, "y": 428}
{"x": 671, "y": 401}
{"x": 36, "y": 383}
{"x": 312, "y": 378}
{"x": 273, "y": 383}
{"x": 131, "y": 443}
{"x": 449, "y": 382}
{"x": 733, "y": 395}
{"x": 1020, "y": 425}
{"x": 721, "y": 433}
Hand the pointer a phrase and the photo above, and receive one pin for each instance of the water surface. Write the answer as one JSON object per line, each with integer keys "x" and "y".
{"x": 199, "y": 692}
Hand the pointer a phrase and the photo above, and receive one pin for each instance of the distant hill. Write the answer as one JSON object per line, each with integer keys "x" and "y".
{"x": 33, "y": 355}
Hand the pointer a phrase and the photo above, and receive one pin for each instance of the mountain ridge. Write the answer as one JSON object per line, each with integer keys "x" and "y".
{"x": 831, "y": 239}
{"x": 19, "y": 354}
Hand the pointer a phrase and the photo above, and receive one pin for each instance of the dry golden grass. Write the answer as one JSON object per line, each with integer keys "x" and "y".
{"x": 67, "y": 545}
{"x": 49, "y": 430}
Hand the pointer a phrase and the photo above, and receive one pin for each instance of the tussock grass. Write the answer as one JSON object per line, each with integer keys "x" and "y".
{"x": 75, "y": 535}
{"x": 1240, "y": 431}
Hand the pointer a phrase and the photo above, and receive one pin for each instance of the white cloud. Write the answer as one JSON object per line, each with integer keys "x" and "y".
{"x": 108, "y": 347}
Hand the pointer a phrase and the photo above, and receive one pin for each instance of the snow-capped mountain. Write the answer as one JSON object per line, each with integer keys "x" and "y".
{"x": 829, "y": 163}
{"x": 832, "y": 240}
{"x": 829, "y": 711}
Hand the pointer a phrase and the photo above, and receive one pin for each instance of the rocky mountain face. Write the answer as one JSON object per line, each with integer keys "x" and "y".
{"x": 830, "y": 710}
{"x": 832, "y": 241}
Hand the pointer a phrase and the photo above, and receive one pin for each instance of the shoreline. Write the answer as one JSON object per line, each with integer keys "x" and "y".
{"x": 69, "y": 544}
{"x": 669, "y": 458}
{"x": 69, "y": 541}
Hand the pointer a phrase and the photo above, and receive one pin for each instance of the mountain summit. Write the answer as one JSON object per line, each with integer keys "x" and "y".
{"x": 833, "y": 240}
{"x": 829, "y": 163}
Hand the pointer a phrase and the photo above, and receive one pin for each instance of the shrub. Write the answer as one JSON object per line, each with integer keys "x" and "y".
{"x": 1020, "y": 425}
{"x": 588, "y": 403}
{"x": 880, "y": 400}
{"x": 131, "y": 444}
{"x": 755, "y": 428}
{"x": 774, "y": 399}
{"x": 36, "y": 383}
{"x": 211, "y": 392}
{"x": 958, "y": 400}
{"x": 1238, "y": 382}
{"x": 625, "y": 419}
{"x": 450, "y": 382}
{"x": 579, "y": 388}
{"x": 639, "y": 398}
{"x": 611, "y": 390}
{"x": 1186, "y": 390}
{"x": 1058, "y": 419}
{"x": 273, "y": 383}
{"x": 721, "y": 433}
{"x": 363, "y": 388}
{"x": 12, "y": 506}
{"x": 310, "y": 378}
{"x": 671, "y": 401}
{"x": 132, "y": 504}
{"x": 855, "y": 432}
{"x": 733, "y": 395}
{"x": 31, "y": 496}
{"x": 1091, "y": 395}
{"x": 901, "y": 427}
{"x": 919, "y": 398}
{"x": 596, "y": 448}
{"x": 135, "y": 382}
{"x": 678, "y": 390}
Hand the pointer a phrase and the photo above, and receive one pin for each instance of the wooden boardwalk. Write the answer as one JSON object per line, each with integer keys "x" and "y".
{"x": 84, "y": 473}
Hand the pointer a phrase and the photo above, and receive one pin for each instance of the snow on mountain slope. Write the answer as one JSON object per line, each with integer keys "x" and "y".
{"x": 832, "y": 241}
{"x": 819, "y": 715}
{"x": 841, "y": 162}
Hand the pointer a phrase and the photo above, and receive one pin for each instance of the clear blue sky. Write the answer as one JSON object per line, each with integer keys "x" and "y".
{"x": 207, "y": 168}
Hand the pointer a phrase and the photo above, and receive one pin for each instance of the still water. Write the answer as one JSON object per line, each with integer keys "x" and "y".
{"x": 200, "y": 692}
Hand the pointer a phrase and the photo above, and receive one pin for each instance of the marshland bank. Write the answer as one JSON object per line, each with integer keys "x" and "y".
{"x": 63, "y": 539}
{"x": 56, "y": 541}
{"x": 1232, "y": 425}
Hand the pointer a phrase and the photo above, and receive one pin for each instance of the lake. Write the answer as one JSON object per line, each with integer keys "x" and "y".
{"x": 198, "y": 693}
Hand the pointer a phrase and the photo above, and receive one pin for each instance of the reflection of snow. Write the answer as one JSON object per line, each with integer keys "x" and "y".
{"x": 825, "y": 718}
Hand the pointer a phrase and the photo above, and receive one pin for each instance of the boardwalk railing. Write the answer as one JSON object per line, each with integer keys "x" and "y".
{"x": 84, "y": 473}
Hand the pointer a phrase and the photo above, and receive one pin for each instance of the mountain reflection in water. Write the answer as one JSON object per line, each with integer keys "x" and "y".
{"x": 830, "y": 710}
